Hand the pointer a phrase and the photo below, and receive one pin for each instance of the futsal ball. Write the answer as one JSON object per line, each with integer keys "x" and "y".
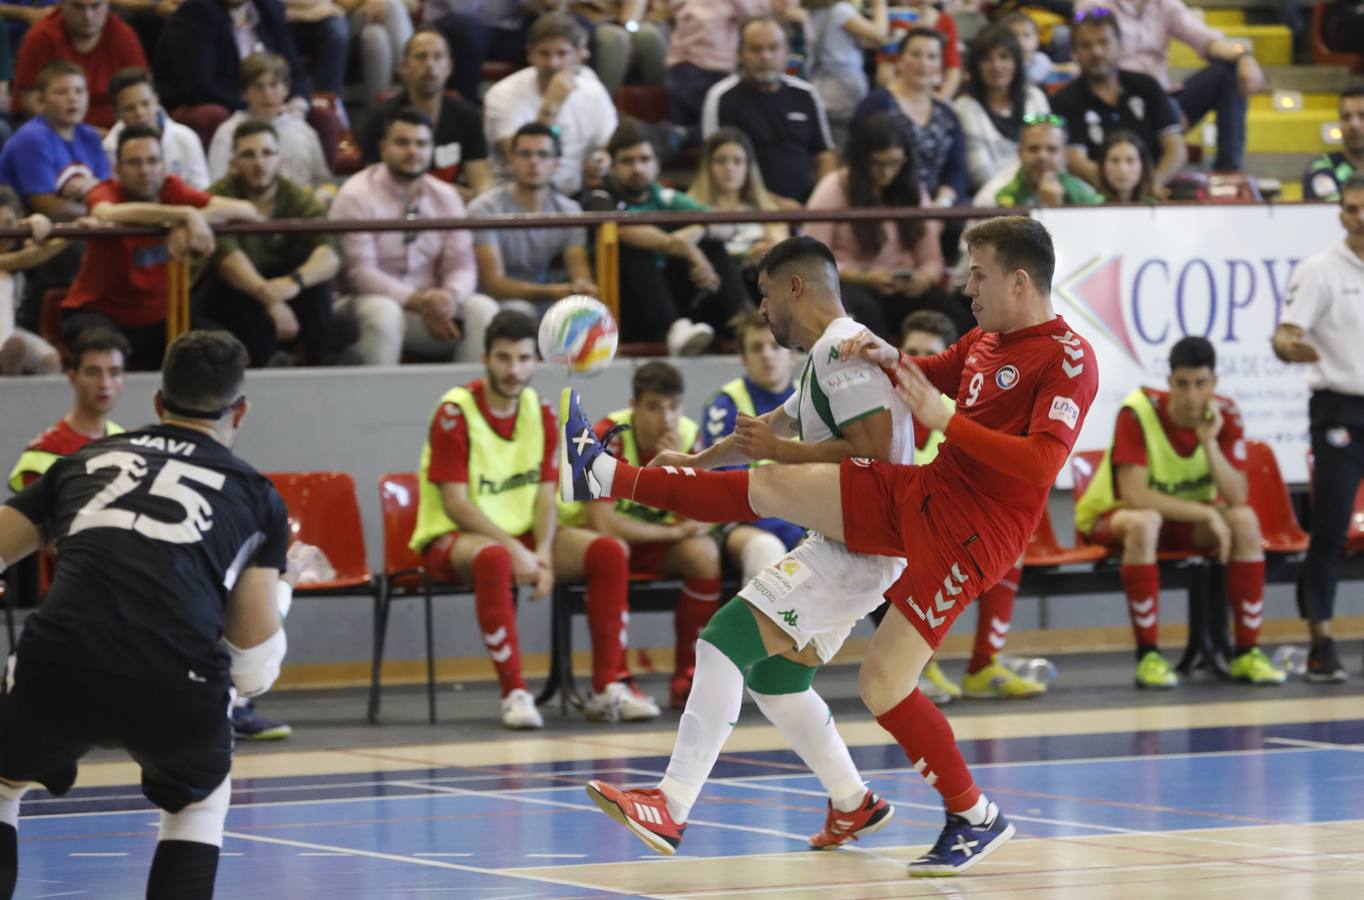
{"x": 578, "y": 332}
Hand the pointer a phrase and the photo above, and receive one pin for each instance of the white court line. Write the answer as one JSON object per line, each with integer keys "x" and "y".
{"x": 445, "y": 855}
{"x": 1316, "y": 745}
{"x": 556, "y": 856}
{"x": 433, "y": 863}
{"x": 96, "y": 855}
{"x": 324, "y": 853}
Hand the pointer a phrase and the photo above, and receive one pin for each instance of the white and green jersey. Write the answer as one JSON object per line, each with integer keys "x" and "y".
{"x": 831, "y": 394}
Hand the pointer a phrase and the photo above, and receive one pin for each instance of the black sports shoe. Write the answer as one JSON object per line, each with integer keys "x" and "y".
{"x": 1323, "y": 665}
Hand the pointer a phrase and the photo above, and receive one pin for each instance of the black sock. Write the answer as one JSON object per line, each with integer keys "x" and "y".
{"x": 183, "y": 870}
{"x": 1241, "y": 650}
{"x": 1143, "y": 649}
{"x": 9, "y": 860}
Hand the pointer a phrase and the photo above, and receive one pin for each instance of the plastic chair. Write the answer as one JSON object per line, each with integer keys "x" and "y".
{"x": 403, "y": 575}
{"x": 1045, "y": 550}
{"x": 1323, "y": 55}
{"x": 646, "y": 102}
{"x": 324, "y": 512}
{"x": 1268, "y": 496}
{"x": 1083, "y": 466}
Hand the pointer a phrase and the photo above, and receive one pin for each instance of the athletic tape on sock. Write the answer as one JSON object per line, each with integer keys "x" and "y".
{"x": 255, "y": 669}
{"x": 202, "y": 822}
{"x": 284, "y": 597}
{"x": 779, "y": 675}
{"x": 734, "y": 632}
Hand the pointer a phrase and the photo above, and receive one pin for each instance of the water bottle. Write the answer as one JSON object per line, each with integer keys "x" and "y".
{"x": 1036, "y": 668}
{"x": 1292, "y": 660}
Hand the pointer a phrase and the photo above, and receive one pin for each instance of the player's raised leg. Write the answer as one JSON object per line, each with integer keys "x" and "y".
{"x": 888, "y": 683}
{"x": 807, "y": 495}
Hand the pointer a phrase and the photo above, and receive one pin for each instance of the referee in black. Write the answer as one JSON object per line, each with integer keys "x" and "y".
{"x": 1323, "y": 324}
{"x": 169, "y": 552}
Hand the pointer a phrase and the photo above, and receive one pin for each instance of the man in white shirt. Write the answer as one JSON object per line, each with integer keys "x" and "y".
{"x": 1322, "y": 325}
{"x": 136, "y": 103}
{"x": 559, "y": 91}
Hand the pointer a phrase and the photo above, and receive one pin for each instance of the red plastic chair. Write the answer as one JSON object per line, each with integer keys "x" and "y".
{"x": 1083, "y": 466}
{"x": 646, "y": 102}
{"x": 1268, "y": 496}
{"x": 1045, "y": 550}
{"x": 1323, "y": 55}
{"x": 403, "y": 575}
{"x": 1354, "y": 534}
{"x": 324, "y": 512}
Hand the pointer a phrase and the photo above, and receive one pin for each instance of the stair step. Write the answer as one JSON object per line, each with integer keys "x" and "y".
{"x": 1308, "y": 79}
{"x": 1267, "y": 5}
{"x": 1284, "y": 166}
{"x": 1273, "y": 45}
{"x": 1313, "y": 101}
{"x": 1222, "y": 19}
{"x": 1283, "y": 132}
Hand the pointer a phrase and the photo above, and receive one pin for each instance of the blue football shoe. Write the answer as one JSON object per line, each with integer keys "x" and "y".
{"x": 577, "y": 451}
{"x": 962, "y": 845}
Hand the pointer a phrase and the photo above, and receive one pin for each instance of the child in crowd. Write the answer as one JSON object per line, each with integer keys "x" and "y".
{"x": 21, "y": 351}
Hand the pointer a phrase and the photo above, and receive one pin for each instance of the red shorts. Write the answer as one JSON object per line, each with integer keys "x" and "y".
{"x": 1176, "y": 537}
{"x": 436, "y": 556}
{"x": 646, "y": 559}
{"x": 888, "y": 511}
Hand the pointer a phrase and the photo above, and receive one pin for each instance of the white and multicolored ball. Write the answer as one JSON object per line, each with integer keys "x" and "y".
{"x": 580, "y": 333}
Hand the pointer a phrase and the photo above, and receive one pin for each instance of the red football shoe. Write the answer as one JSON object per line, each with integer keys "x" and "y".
{"x": 644, "y": 812}
{"x": 840, "y": 827}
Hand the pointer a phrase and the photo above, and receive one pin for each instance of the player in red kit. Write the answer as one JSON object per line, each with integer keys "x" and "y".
{"x": 1023, "y": 383}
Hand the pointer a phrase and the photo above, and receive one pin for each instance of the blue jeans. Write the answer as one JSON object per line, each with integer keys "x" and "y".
{"x": 472, "y": 42}
{"x": 1214, "y": 90}
{"x": 687, "y": 88}
{"x": 325, "y": 44}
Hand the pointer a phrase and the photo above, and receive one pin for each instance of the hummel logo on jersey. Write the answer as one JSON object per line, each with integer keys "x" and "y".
{"x": 648, "y": 814}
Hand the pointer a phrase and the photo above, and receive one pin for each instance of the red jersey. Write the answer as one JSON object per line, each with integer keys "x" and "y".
{"x": 449, "y": 437}
{"x": 1040, "y": 380}
{"x": 125, "y": 278}
{"x": 117, "y": 48}
{"x": 1129, "y": 444}
{"x": 59, "y": 440}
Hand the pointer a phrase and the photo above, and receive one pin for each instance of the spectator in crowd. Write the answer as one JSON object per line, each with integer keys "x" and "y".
{"x": 322, "y": 36}
{"x": 1342, "y": 27}
{"x": 935, "y": 135}
{"x": 781, "y": 114}
{"x": 197, "y": 60}
{"x": 887, "y": 268}
{"x": 265, "y": 89}
{"x": 1321, "y": 326}
{"x": 838, "y": 37}
{"x": 997, "y": 98}
{"x": 1326, "y": 173}
{"x": 461, "y": 152}
{"x": 20, "y": 15}
{"x": 411, "y": 291}
{"x": 661, "y": 544}
{"x": 1041, "y": 178}
{"x": 626, "y": 39}
{"x": 764, "y": 385}
{"x": 272, "y": 291}
{"x": 95, "y": 371}
{"x": 1231, "y": 76}
{"x": 556, "y": 90}
{"x": 1037, "y": 64}
{"x": 147, "y": 18}
{"x": 21, "y": 351}
{"x": 531, "y": 266}
{"x": 679, "y": 286}
{"x": 380, "y": 29}
{"x": 1174, "y": 479}
{"x": 702, "y": 51}
{"x": 930, "y": 15}
{"x": 728, "y": 180}
{"x": 928, "y": 333}
{"x": 1125, "y": 169}
{"x": 136, "y": 103}
{"x": 479, "y": 31}
{"x": 486, "y": 517}
{"x": 1106, "y": 98}
{"x": 83, "y": 32}
{"x": 54, "y": 160}
{"x": 122, "y": 281}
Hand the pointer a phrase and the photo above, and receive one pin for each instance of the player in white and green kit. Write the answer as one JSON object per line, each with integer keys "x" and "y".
{"x": 815, "y": 594}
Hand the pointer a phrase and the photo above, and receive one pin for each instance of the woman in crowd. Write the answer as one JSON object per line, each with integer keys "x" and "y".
{"x": 837, "y": 36}
{"x": 1125, "y": 169}
{"x": 997, "y": 98}
{"x": 728, "y": 180}
{"x": 889, "y": 268}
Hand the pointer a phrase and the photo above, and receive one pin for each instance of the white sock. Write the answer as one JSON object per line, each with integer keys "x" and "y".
{"x": 10, "y": 795}
{"x": 808, "y": 726}
{"x": 604, "y": 469}
{"x": 760, "y": 551}
{"x": 717, "y": 692}
{"x": 979, "y": 812}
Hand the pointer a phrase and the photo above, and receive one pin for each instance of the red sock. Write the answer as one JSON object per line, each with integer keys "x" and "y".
{"x": 1245, "y": 593}
{"x": 699, "y": 601}
{"x": 922, "y": 732}
{"x": 694, "y": 493}
{"x": 1142, "y": 584}
{"x": 996, "y": 611}
{"x": 607, "y": 583}
{"x": 497, "y": 614}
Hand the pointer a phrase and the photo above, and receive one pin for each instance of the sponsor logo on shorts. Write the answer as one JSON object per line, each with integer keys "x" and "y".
{"x": 1006, "y": 377}
{"x": 788, "y": 567}
{"x": 1064, "y": 409}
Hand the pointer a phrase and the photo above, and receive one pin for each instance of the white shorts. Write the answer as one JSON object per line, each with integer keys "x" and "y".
{"x": 819, "y": 591}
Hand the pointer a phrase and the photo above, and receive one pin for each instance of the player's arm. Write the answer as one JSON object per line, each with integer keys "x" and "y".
{"x": 545, "y": 524}
{"x": 19, "y": 536}
{"x": 253, "y": 632}
{"x": 454, "y": 497}
{"x": 603, "y": 517}
{"x": 1137, "y": 494}
{"x": 727, "y": 451}
{"x": 868, "y": 436}
{"x": 1232, "y": 485}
